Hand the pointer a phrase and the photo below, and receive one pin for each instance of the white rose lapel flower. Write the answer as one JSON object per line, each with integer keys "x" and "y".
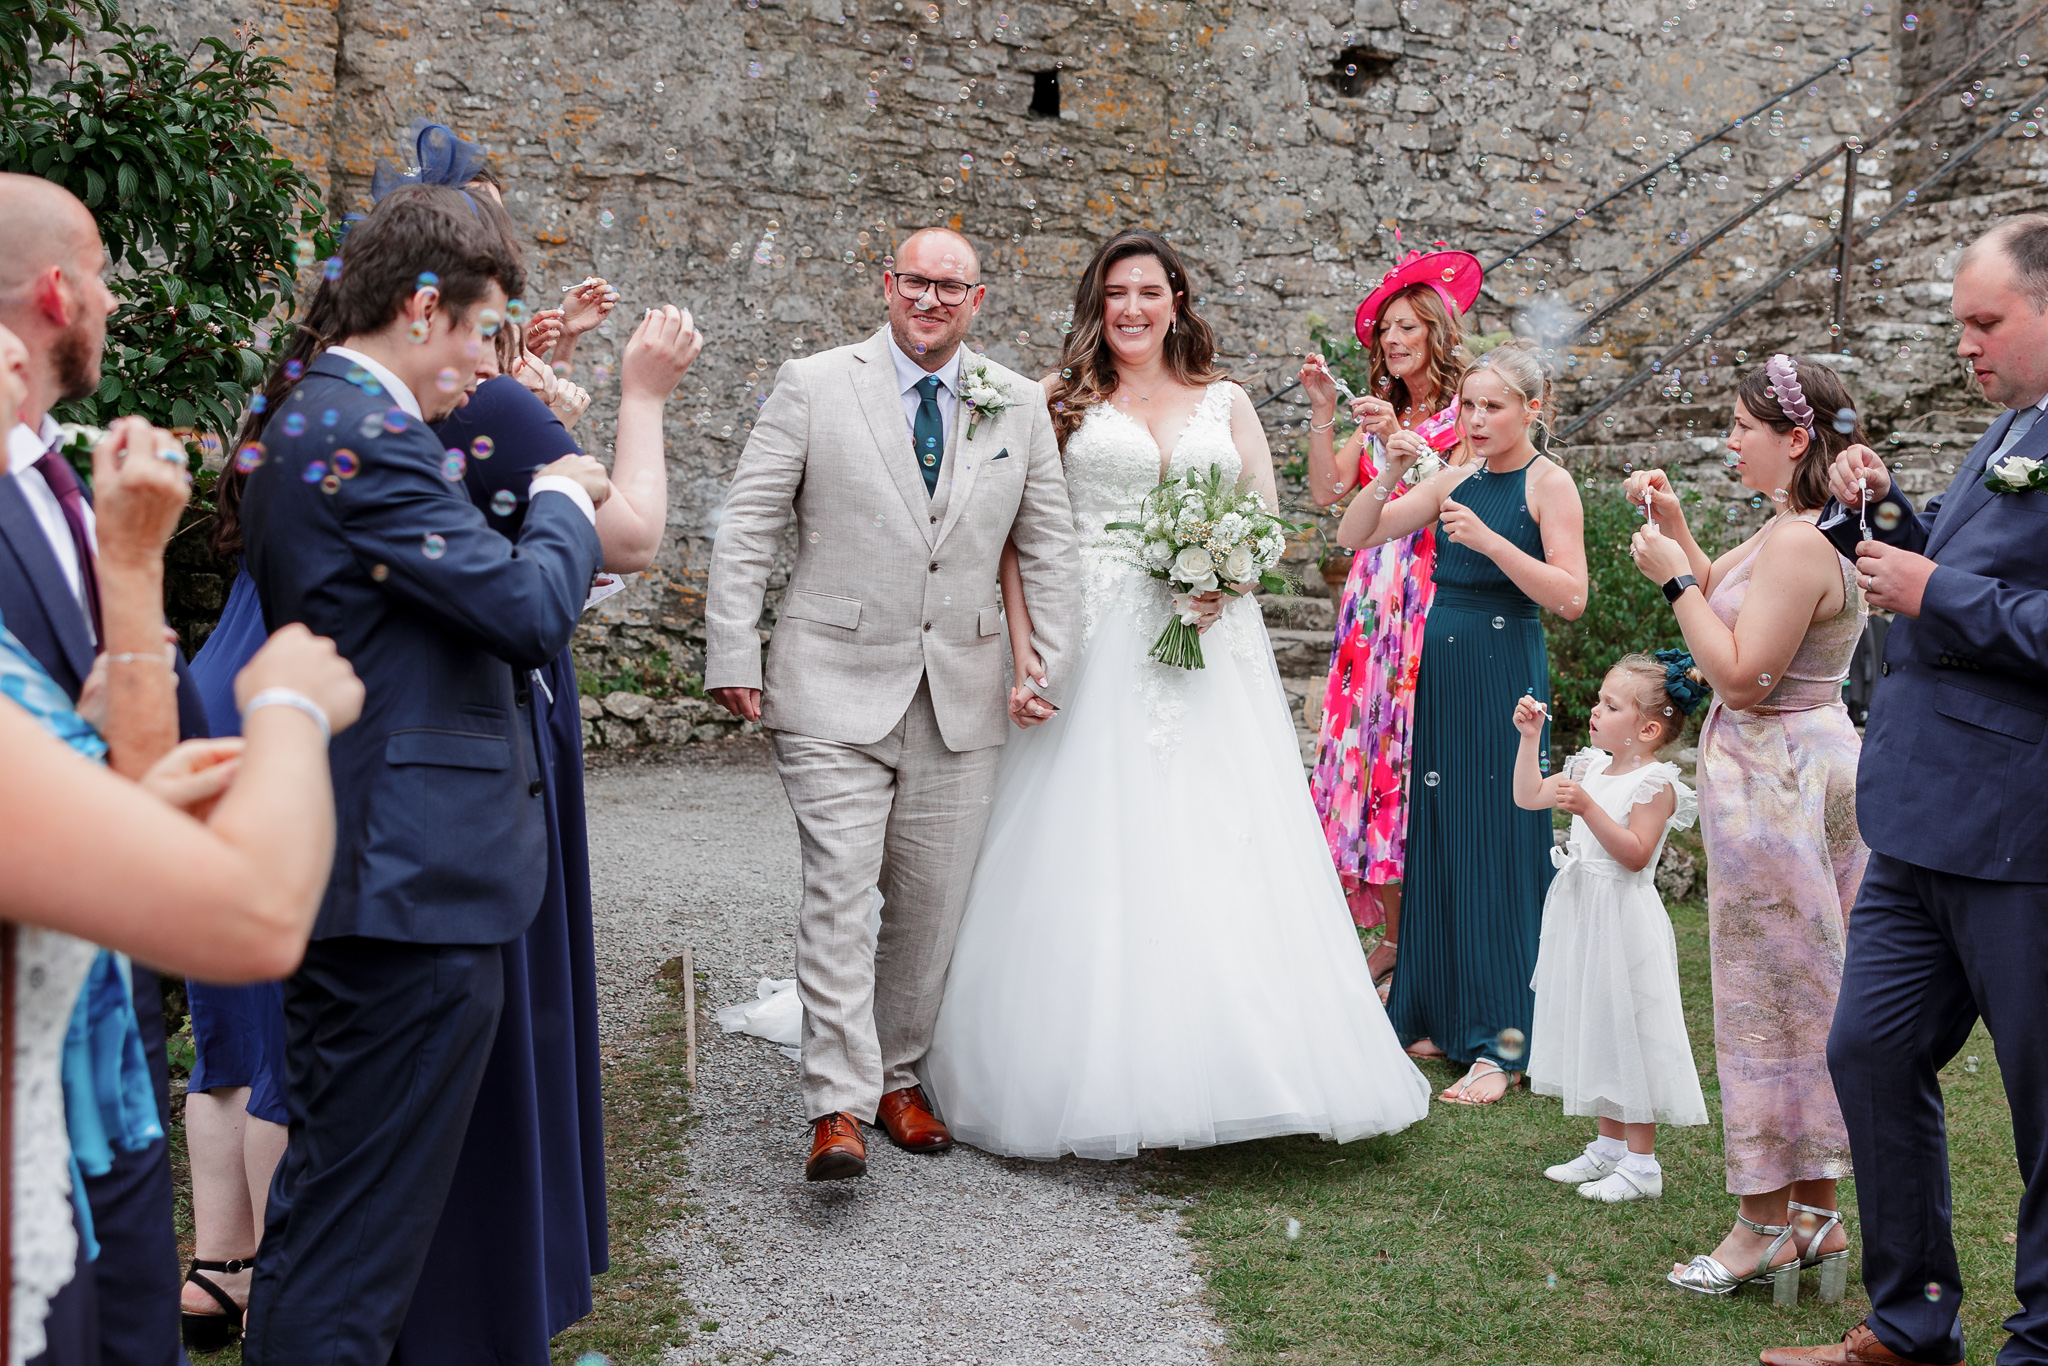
{"x": 984, "y": 397}
{"x": 2015, "y": 474}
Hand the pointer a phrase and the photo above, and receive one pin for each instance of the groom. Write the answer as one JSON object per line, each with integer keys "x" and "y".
{"x": 884, "y": 689}
{"x": 1952, "y": 921}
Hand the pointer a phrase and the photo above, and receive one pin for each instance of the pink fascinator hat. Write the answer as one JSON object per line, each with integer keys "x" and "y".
{"x": 1455, "y": 275}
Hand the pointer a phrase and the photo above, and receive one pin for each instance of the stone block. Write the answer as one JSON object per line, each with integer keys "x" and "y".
{"x": 1414, "y": 99}
{"x": 1288, "y": 613}
{"x": 1677, "y": 874}
{"x": 618, "y": 734}
{"x": 1301, "y": 653}
{"x": 590, "y": 707}
{"x": 628, "y": 706}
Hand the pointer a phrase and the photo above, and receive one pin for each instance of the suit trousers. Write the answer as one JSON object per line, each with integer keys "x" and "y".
{"x": 385, "y": 1045}
{"x": 904, "y": 815}
{"x": 1929, "y": 953}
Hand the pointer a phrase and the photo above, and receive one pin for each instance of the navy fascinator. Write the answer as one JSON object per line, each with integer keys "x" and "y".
{"x": 1682, "y": 679}
{"x": 433, "y": 155}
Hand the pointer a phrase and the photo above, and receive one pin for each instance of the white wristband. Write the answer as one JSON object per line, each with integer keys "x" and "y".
{"x": 297, "y": 701}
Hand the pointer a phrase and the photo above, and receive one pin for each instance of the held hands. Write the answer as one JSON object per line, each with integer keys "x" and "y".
{"x": 586, "y": 471}
{"x": 196, "y": 775}
{"x": 659, "y": 353}
{"x": 297, "y": 659}
{"x": 744, "y": 703}
{"x": 1530, "y": 716}
{"x": 1660, "y": 558}
{"x": 1665, "y": 508}
{"x": 140, "y": 487}
{"x": 1854, "y": 468}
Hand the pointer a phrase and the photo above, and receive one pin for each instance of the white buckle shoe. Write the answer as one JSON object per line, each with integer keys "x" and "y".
{"x": 1581, "y": 1169}
{"x": 1622, "y": 1185}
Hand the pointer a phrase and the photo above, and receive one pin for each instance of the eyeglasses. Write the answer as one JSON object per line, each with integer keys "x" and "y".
{"x": 951, "y": 293}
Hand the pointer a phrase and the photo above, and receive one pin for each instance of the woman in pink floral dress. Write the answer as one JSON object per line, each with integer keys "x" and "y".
{"x": 1411, "y": 326}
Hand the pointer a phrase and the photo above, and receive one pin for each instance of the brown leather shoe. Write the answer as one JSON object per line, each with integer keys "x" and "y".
{"x": 837, "y": 1152}
{"x": 1858, "y": 1347}
{"x": 908, "y": 1117}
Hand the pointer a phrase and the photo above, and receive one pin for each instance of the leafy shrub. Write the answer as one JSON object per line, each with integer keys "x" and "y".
{"x": 204, "y": 220}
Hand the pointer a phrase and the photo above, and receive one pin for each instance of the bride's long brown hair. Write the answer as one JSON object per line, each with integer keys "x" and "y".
{"x": 1087, "y": 365}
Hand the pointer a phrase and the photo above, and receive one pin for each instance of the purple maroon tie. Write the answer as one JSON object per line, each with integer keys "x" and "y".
{"x": 56, "y": 472}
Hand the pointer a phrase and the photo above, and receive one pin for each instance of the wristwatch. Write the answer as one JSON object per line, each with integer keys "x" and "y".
{"x": 1674, "y": 589}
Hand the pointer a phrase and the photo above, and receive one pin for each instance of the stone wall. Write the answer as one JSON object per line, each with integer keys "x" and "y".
{"x": 756, "y": 159}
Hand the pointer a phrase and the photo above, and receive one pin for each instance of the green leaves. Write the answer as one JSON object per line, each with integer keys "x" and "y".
{"x": 196, "y": 206}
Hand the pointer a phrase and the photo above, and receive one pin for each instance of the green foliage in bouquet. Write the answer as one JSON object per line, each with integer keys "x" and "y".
{"x": 204, "y": 220}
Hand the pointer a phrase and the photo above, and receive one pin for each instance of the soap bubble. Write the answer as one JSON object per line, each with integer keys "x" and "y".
{"x": 315, "y": 471}
{"x": 434, "y": 546}
{"x": 1430, "y": 779}
{"x": 1511, "y": 1043}
{"x": 329, "y": 417}
{"x": 1845, "y": 420}
{"x": 515, "y": 311}
{"x": 345, "y": 463}
{"x": 453, "y": 465}
{"x": 394, "y": 420}
{"x": 257, "y": 403}
{"x": 503, "y": 501}
{"x": 427, "y": 280}
{"x": 605, "y": 218}
{"x": 1933, "y": 1290}
{"x": 483, "y": 448}
{"x": 330, "y": 484}
{"x": 371, "y": 427}
{"x": 1909, "y": 23}
{"x": 1449, "y": 274}
{"x": 378, "y": 573}
{"x": 488, "y": 322}
{"x": 447, "y": 381}
{"x": 293, "y": 369}
{"x": 1500, "y": 623}
{"x": 294, "y": 423}
{"x": 330, "y": 270}
{"x": 249, "y": 457}
{"x": 967, "y": 161}
{"x": 1293, "y": 1229}
{"x": 593, "y": 1359}
{"x": 1763, "y": 680}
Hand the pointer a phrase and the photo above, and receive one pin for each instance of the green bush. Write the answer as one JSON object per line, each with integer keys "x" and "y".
{"x": 1625, "y": 612}
{"x": 204, "y": 220}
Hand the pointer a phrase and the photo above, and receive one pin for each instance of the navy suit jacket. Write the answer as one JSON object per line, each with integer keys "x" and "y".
{"x": 1954, "y": 769}
{"x": 37, "y": 604}
{"x": 440, "y": 833}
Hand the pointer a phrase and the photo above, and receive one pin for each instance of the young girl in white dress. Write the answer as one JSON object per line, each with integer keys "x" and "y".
{"x": 1609, "y": 1032}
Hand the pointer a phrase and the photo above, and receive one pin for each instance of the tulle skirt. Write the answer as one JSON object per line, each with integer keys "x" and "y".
{"x": 1156, "y": 951}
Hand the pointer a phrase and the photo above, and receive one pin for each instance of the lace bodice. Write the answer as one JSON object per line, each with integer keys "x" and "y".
{"x": 1112, "y": 462}
{"x": 1617, "y": 794}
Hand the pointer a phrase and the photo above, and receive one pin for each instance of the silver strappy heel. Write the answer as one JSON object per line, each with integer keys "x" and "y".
{"x": 1703, "y": 1275}
{"x": 1834, "y": 1266}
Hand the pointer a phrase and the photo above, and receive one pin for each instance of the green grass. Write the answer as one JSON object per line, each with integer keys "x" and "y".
{"x": 1439, "y": 1244}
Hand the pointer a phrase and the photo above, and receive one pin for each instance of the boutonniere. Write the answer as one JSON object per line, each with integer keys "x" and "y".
{"x": 985, "y": 397}
{"x": 77, "y": 436}
{"x": 2016, "y": 474}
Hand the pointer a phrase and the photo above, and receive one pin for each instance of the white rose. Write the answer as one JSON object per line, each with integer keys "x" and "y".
{"x": 2016, "y": 471}
{"x": 78, "y": 434}
{"x": 1193, "y": 565}
{"x": 1239, "y": 565}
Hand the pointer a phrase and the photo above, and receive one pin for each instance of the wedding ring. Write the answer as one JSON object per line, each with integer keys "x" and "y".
{"x": 170, "y": 453}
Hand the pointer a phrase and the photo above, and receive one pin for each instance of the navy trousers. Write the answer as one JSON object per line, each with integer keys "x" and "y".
{"x": 1928, "y": 954}
{"x": 385, "y": 1046}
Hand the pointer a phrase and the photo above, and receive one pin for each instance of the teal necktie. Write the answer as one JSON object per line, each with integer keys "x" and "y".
{"x": 928, "y": 433}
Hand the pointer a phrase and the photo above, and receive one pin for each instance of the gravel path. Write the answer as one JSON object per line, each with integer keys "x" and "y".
{"x": 960, "y": 1258}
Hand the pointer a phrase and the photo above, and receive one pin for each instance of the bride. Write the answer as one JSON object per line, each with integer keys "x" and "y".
{"x": 1156, "y": 950}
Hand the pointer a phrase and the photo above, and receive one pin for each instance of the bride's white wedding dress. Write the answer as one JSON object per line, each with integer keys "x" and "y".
{"x": 1156, "y": 951}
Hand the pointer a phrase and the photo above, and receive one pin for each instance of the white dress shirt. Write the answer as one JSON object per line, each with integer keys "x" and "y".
{"x": 403, "y": 396}
{"x": 24, "y": 448}
{"x": 909, "y": 373}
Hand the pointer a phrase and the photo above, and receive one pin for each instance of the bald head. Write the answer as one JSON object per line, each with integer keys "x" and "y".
{"x": 939, "y": 247}
{"x": 52, "y": 295}
{"x": 42, "y": 224}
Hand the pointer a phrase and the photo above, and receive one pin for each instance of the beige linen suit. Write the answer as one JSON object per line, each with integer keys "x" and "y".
{"x": 885, "y": 689}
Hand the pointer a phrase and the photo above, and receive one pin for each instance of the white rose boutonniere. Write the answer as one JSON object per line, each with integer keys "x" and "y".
{"x": 2015, "y": 474}
{"x": 984, "y": 397}
{"x": 77, "y": 436}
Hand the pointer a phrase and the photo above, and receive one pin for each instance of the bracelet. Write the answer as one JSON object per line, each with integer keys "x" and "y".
{"x": 1325, "y": 427}
{"x": 1674, "y": 589}
{"x": 126, "y": 657}
{"x": 297, "y": 701}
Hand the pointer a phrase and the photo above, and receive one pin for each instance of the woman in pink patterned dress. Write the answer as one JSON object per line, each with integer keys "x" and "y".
{"x": 1411, "y": 325}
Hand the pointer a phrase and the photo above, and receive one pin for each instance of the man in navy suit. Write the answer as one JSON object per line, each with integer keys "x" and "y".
{"x": 122, "y": 1309}
{"x": 1952, "y": 797}
{"x": 357, "y": 523}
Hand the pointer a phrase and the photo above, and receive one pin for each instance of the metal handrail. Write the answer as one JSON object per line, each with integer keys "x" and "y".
{"x": 1671, "y": 163}
{"x": 1698, "y": 335}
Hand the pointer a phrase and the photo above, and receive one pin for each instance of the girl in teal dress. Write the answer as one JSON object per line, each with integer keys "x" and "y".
{"x": 1510, "y": 545}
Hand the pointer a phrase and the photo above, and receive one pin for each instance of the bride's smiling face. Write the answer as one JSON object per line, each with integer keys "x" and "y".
{"x": 1137, "y": 307}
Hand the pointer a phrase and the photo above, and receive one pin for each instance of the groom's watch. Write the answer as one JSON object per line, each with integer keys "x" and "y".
{"x": 1674, "y": 589}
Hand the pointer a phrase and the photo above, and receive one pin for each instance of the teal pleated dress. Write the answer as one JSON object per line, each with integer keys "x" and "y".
{"x": 1478, "y": 865}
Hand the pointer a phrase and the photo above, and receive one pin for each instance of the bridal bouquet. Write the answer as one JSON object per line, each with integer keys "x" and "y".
{"x": 1200, "y": 533}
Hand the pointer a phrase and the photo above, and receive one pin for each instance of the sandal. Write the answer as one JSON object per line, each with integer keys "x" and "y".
{"x": 1704, "y": 1275}
{"x": 1834, "y": 1266}
{"x": 1457, "y": 1091}
{"x": 1380, "y": 979}
{"x": 212, "y": 1332}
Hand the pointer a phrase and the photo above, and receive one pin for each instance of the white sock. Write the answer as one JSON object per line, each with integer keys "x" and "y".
{"x": 1607, "y": 1149}
{"x": 1642, "y": 1164}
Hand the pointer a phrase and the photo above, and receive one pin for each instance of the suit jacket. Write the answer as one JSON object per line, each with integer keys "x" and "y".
{"x": 890, "y": 584}
{"x": 1953, "y": 766}
{"x": 37, "y": 604}
{"x": 440, "y": 834}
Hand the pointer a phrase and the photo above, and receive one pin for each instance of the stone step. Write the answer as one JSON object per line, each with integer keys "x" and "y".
{"x": 1301, "y": 654}
{"x": 1286, "y": 612}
